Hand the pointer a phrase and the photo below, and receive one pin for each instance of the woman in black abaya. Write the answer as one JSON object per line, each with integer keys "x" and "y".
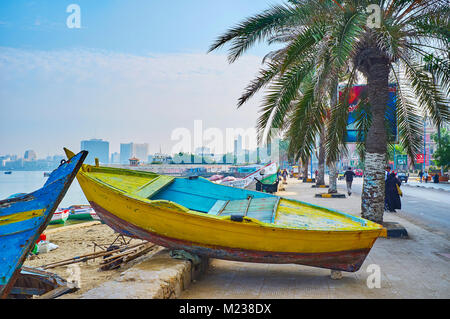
{"x": 393, "y": 201}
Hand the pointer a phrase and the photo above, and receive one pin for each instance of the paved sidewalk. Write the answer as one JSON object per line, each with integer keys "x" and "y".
{"x": 418, "y": 267}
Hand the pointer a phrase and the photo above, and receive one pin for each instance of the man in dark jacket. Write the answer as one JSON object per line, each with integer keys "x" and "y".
{"x": 349, "y": 174}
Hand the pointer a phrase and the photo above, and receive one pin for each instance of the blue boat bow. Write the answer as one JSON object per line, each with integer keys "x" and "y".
{"x": 25, "y": 216}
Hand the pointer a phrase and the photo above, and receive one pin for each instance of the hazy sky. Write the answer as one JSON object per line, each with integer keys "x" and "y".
{"x": 135, "y": 71}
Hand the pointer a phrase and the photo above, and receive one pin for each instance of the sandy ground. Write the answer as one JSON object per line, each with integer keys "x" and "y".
{"x": 78, "y": 240}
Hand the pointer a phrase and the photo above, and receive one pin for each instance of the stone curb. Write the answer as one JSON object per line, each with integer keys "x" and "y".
{"x": 320, "y": 186}
{"x": 330, "y": 196}
{"x": 395, "y": 230}
{"x": 158, "y": 277}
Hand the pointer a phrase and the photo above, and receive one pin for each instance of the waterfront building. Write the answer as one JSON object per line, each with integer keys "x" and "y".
{"x": 134, "y": 161}
{"x": 97, "y": 148}
{"x": 162, "y": 158}
{"x": 140, "y": 151}
{"x": 30, "y": 155}
{"x": 115, "y": 158}
{"x": 126, "y": 152}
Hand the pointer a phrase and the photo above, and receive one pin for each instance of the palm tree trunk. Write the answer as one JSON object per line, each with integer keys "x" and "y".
{"x": 305, "y": 169}
{"x": 333, "y": 179}
{"x": 321, "y": 170}
{"x": 333, "y": 166}
{"x": 372, "y": 199}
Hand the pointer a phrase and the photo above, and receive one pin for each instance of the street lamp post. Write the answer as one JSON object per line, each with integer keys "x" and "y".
{"x": 394, "y": 159}
{"x": 424, "y": 143}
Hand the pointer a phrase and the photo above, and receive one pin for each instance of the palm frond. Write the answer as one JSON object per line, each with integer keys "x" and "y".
{"x": 409, "y": 120}
{"x": 428, "y": 94}
{"x": 264, "y": 77}
{"x": 281, "y": 93}
{"x": 305, "y": 125}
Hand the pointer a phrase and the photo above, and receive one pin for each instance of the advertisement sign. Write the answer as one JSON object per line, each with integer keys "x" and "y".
{"x": 358, "y": 94}
{"x": 419, "y": 158}
{"x": 402, "y": 159}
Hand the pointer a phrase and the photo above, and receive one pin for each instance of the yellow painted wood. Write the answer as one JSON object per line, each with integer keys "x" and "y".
{"x": 315, "y": 230}
{"x": 20, "y": 217}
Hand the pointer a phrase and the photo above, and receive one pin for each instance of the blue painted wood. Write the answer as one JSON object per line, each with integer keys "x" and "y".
{"x": 201, "y": 194}
{"x": 17, "y": 238}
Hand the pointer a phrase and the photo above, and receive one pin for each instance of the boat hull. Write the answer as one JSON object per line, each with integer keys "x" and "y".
{"x": 59, "y": 218}
{"x": 24, "y": 218}
{"x": 348, "y": 260}
{"x": 84, "y": 216}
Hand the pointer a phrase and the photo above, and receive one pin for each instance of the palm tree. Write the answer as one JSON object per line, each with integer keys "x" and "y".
{"x": 323, "y": 37}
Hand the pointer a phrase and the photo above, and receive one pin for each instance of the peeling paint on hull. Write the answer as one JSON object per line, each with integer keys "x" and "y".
{"x": 349, "y": 261}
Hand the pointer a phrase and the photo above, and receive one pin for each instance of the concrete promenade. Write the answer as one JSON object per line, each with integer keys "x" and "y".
{"x": 418, "y": 267}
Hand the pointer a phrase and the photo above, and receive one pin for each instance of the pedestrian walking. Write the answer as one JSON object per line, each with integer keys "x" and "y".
{"x": 425, "y": 176}
{"x": 420, "y": 175}
{"x": 387, "y": 172}
{"x": 284, "y": 174}
{"x": 436, "y": 178}
{"x": 349, "y": 174}
{"x": 392, "y": 193}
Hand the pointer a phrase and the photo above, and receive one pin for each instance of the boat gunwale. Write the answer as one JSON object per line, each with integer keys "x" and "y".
{"x": 367, "y": 228}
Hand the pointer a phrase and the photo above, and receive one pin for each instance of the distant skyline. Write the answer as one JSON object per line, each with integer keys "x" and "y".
{"x": 134, "y": 72}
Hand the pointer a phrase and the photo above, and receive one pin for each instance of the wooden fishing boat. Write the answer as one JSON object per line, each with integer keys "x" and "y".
{"x": 268, "y": 184}
{"x": 81, "y": 212}
{"x": 196, "y": 215}
{"x": 60, "y": 217}
{"x": 249, "y": 181}
{"x": 24, "y": 217}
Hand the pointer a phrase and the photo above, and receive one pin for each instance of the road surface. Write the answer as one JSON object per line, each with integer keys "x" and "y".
{"x": 428, "y": 208}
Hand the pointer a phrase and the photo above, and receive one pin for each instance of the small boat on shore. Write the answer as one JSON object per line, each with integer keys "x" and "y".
{"x": 268, "y": 184}
{"x": 81, "y": 212}
{"x": 60, "y": 217}
{"x": 8, "y": 172}
{"x": 94, "y": 216}
{"x": 250, "y": 180}
{"x": 204, "y": 218}
{"x": 25, "y": 216}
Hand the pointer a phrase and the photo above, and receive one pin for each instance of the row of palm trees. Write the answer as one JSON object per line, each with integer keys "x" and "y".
{"x": 326, "y": 43}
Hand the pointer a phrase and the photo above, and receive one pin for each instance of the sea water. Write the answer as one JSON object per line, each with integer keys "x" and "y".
{"x": 29, "y": 181}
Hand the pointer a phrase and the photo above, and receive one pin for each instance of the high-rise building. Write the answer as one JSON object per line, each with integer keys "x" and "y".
{"x": 238, "y": 151}
{"x": 30, "y": 155}
{"x": 141, "y": 151}
{"x": 126, "y": 152}
{"x": 97, "y": 148}
{"x": 115, "y": 158}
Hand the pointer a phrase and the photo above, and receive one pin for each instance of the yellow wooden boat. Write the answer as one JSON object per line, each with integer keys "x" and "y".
{"x": 196, "y": 215}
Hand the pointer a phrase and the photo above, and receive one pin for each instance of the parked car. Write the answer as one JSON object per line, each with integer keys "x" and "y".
{"x": 403, "y": 176}
{"x": 341, "y": 175}
{"x": 359, "y": 172}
